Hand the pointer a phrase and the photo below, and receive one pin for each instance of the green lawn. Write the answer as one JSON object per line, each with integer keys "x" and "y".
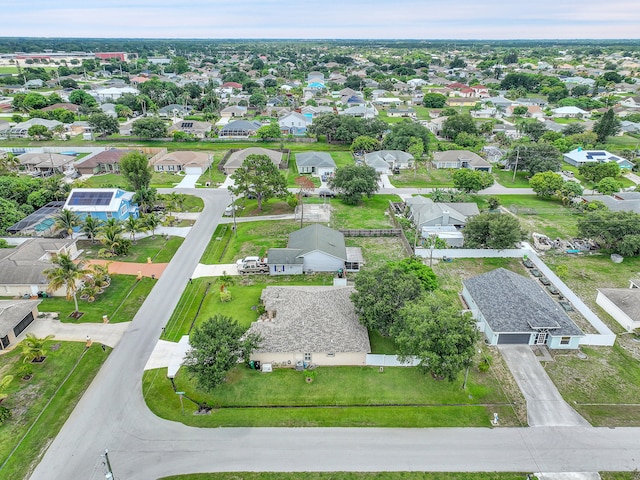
{"x": 370, "y": 213}
{"x": 367, "y": 476}
{"x": 378, "y": 250}
{"x": 201, "y": 300}
{"x": 342, "y": 159}
{"x": 120, "y": 301}
{"x": 505, "y": 178}
{"x": 397, "y": 397}
{"x": 159, "y": 249}
{"x": 604, "y": 387}
{"x": 158, "y": 180}
{"x": 28, "y": 399}
{"x": 382, "y": 344}
{"x": 424, "y": 177}
{"x": 253, "y": 238}
{"x": 566, "y": 121}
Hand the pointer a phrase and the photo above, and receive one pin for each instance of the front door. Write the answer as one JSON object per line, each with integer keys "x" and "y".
{"x": 541, "y": 338}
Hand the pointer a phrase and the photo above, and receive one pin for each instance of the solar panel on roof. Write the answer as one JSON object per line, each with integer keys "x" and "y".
{"x": 187, "y": 124}
{"x": 90, "y": 198}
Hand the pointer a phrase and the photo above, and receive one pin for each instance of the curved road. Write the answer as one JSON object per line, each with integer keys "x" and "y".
{"x": 112, "y": 415}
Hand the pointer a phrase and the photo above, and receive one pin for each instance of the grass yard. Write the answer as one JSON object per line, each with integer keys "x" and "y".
{"x": 381, "y": 344}
{"x": 567, "y": 121}
{"x": 587, "y": 185}
{"x": 120, "y": 301}
{"x": 378, "y": 250}
{"x": 343, "y": 159}
{"x": 368, "y": 476}
{"x": 253, "y": 238}
{"x": 505, "y": 178}
{"x": 549, "y": 217}
{"x": 370, "y": 213}
{"x": 604, "y": 387}
{"x": 201, "y": 300}
{"x": 430, "y": 177}
{"x": 159, "y": 249}
{"x": 274, "y": 206}
{"x": 398, "y": 397}
{"x": 28, "y": 399}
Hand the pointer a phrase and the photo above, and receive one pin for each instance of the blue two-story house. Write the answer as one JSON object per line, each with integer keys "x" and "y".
{"x": 102, "y": 203}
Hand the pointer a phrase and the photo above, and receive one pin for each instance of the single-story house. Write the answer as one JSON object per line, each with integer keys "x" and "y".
{"x": 579, "y": 157}
{"x": 424, "y": 212}
{"x": 623, "y": 304}
{"x": 512, "y": 309}
{"x": 112, "y": 93}
{"x": 461, "y": 102}
{"x": 239, "y": 129}
{"x": 310, "y": 325}
{"x": 621, "y": 201}
{"x": 233, "y": 111}
{"x": 72, "y": 107}
{"x": 236, "y": 159}
{"x": 21, "y": 130}
{"x": 460, "y": 159}
{"x": 15, "y": 317}
{"x": 193, "y": 163}
{"x": 450, "y": 234}
{"x": 192, "y": 127}
{"x": 22, "y": 267}
{"x": 360, "y": 111}
{"x": 46, "y": 163}
{"x": 315, "y": 248}
{"x": 316, "y": 163}
{"x": 570, "y": 112}
{"x": 107, "y": 161}
{"x": 406, "y": 112}
{"x": 102, "y": 203}
{"x": 175, "y": 110}
{"x": 294, "y": 123}
{"x": 386, "y": 160}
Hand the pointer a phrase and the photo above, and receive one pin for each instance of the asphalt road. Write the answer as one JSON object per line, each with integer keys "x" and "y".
{"x": 112, "y": 415}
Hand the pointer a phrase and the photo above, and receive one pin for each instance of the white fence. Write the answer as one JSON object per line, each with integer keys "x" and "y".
{"x": 378, "y": 360}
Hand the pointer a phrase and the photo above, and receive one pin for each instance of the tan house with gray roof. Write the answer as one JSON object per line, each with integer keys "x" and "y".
{"x": 236, "y": 159}
{"x": 189, "y": 162}
{"x": 310, "y": 325}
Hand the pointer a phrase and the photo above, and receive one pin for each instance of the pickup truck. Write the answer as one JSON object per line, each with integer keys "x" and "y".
{"x": 253, "y": 267}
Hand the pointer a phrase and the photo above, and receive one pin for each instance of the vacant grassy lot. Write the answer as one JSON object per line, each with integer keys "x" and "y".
{"x": 342, "y": 159}
{"x": 159, "y": 249}
{"x": 28, "y": 399}
{"x": 274, "y": 206}
{"x": 378, "y": 250}
{"x": 604, "y": 387}
{"x": 425, "y": 176}
{"x": 120, "y": 301}
{"x": 203, "y": 294}
{"x": 253, "y": 238}
{"x": 505, "y": 178}
{"x": 370, "y": 213}
{"x": 399, "y": 397}
{"x": 366, "y": 476}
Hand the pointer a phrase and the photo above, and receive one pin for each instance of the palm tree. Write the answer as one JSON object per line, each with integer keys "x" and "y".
{"x": 110, "y": 236}
{"x": 151, "y": 222}
{"x": 66, "y": 273}
{"x": 145, "y": 197}
{"x": 33, "y": 347}
{"x": 132, "y": 225}
{"x": 91, "y": 227}
{"x": 181, "y": 198}
{"x": 67, "y": 220}
{"x": 8, "y": 162}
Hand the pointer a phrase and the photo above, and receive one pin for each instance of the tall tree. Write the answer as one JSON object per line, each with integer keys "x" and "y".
{"x": 103, "y": 124}
{"x": 217, "y": 345}
{"x": 353, "y": 181}
{"x": 608, "y": 186}
{"x": 151, "y": 222}
{"x": 146, "y": 198}
{"x": 66, "y": 220}
{"x": 136, "y": 170}
{"x": 365, "y": 144}
{"x": 132, "y": 225}
{"x": 150, "y": 127}
{"x": 459, "y": 123}
{"x": 534, "y": 158}
{"x": 403, "y": 134}
{"x": 472, "y": 181}
{"x": 306, "y": 186}
{"x": 491, "y": 230}
{"x": 260, "y": 177}
{"x": 268, "y": 132}
{"x": 607, "y": 126}
{"x": 91, "y": 227}
{"x": 546, "y": 184}
{"x": 382, "y": 292}
{"x": 436, "y": 332}
{"x": 66, "y": 274}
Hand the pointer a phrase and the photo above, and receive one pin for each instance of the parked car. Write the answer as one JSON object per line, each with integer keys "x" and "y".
{"x": 527, "y": 263}
{"x": 535, "y": 272}
{"x": 251, "y": 258}
{"x": 229, "y": 210}
{"x": 326, "y": 193}
{"x": 253, "y": 267}
{"x": 545, "y": 281}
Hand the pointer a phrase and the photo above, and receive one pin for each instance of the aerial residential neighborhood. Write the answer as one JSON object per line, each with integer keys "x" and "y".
{"x": 354, "y": 256}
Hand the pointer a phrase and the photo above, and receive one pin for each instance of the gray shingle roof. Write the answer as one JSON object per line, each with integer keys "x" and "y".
{"x": 512, "y": 303}
{"x": 314, "y": 159}
{"x": 318, "y": 237}
{"x": 13, "y": 311}
{"x": 311, "y": 319}
{"x": 24, "y": 264}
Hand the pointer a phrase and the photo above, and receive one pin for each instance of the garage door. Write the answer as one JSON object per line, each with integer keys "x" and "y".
{"x": 514, "y": 339}
{"x": 193, "y": 170}
{"x": 26, "y": 321}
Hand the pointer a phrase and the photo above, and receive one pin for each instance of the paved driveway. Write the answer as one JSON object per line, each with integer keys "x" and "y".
{"x": 545, "y": 405}
{"x": 189, "y": 181}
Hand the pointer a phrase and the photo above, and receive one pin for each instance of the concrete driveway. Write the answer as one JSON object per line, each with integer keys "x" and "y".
{"x": 189, "y": 181}
{"x": 545, "y": 405}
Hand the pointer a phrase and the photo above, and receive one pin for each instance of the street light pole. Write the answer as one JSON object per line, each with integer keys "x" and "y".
{"x": 517, "y": 158}
{"x": 109, "y": 474}
{"x": 233, "y": 213}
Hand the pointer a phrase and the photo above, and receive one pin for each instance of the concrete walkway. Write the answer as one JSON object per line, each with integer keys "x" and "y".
{"x": 189, "y": 181}
{"x": 568, "y": 476}
{"x": 168, "y": 355}
{"x": 385, "y": 182}
{"x": 228, "y": 182}
{"x": 215, "y": 270}
{"x": 107, "y": 333}
{"x": 545, "y": 405}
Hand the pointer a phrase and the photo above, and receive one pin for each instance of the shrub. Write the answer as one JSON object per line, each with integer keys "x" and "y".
{"x": 5, "y": 414}
{"x": 225, "y": 296}
{"x": 484, "y": 364}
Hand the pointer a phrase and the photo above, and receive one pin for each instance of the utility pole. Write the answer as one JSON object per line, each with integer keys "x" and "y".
{"x": 233, "y": 212}
{"x": 516, "y": 167}
{"x": 109, "y": 474}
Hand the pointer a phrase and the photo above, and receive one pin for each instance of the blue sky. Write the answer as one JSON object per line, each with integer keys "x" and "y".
{"x": 428, "y": 19}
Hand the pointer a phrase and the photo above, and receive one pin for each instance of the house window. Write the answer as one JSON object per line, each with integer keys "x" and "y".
{"x": 331, "y": 354}
{"x": 565, "y": 340}
{"x": 307, "y": 357}
{"x": 109, "y": 215}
